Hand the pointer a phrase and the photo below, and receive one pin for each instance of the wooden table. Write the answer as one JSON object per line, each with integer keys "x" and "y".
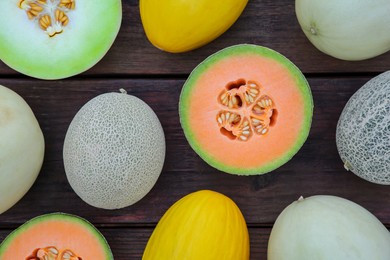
{"x": 157, "y": 78}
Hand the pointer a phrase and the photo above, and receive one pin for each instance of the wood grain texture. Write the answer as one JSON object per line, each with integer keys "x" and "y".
{"x": 264, "y": 22}
{"x": 316, "y": 169}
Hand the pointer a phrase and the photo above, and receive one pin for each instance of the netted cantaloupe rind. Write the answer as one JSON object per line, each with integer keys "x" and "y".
{"x": 114, "y": 151}
{"x": 363, "y": 131}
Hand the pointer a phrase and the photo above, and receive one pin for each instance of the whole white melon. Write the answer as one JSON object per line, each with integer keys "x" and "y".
{"x": 346, "y": 29}
{"x": 328, "y": 228}
{"x": 114, "y": 151}
{"x": 22, "y": 148}
{"x": 363, "y": 131}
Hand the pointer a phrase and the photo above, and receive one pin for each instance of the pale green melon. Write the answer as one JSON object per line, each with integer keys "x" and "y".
{"x": 328, "y": 228}
{"x": 114, "y": 151}
{"x": 79, "y": 35}
{"x": 363, "y": 131}
{"x": 22, "y": 148}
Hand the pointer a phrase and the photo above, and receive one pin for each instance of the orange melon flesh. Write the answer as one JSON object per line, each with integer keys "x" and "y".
{"x": 277, "y": 78}
{"x": 57, "y": 230}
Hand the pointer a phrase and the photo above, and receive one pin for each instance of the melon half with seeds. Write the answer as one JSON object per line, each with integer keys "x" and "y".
{"x": 54, "y": 39}
{"x": 246, "y": 110}
{"x": 55, "y": 236}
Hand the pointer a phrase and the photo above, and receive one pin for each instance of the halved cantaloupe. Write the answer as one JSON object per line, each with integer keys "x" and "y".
{"x": 55, "y": 236}
{"x": 246, "y": 109}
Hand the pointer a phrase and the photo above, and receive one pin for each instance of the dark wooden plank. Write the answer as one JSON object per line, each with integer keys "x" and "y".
{"x": 264, "y": 22}
{"x": 129, "y": 243}
{"x": 316, "y": 169}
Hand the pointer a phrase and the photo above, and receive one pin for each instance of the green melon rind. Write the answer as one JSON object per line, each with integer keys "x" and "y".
{"x": 18, "y": 53}
{"x": 57, "y": 216}
{"x": 189, "y": 85}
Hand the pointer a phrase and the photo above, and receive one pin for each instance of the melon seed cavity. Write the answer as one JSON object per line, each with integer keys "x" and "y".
{"x": 246, "y": 112}
{"x": 50, "y": 15}
{"x": 52, "y": 253}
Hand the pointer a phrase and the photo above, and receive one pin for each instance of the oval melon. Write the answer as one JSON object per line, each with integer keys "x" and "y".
{"x": 204, "y": 225}
{"x": 114, "y": 150}
{"x": 22, "y": 148}
{"x": 347, "y": 29}
{"x": 56, "y": 236}
{"x": 328, "y": 228}
{"x": 54, "y": 39}
{"x": 246, "y": 109}
{"x": 363, "y": 131}
{"x": 180, "y": 26}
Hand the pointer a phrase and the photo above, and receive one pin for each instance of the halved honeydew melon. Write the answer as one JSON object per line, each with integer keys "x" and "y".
{"x": 54, "y": 39}
{"x": 246, "y": 110}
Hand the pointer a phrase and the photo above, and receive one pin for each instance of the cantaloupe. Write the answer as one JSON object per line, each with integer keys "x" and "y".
{"x": 246, "y": 109}
{"x": 203, "y": 225}
{"x": 22, "y": 148}
{"x": 363, "y": 131}
{"x": 114, "y": 150}
{"x": 54, "y": 39}
{"x": 55, "y": 236}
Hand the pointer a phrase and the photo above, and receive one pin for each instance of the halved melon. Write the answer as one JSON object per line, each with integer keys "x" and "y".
{"x": 55, "y": 39}
{"x": 55, "y": 236}
{"x": 246, "y": 110}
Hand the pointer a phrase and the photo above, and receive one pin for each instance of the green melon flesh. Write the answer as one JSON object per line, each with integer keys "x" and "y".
{"x": 90, "y": 32}
{"x": 363, "y": 131}
{"x": 230, "y": 53}
{"x": 44, "y": 236}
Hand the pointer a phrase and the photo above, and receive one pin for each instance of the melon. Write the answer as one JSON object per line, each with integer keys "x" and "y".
{"x": 203, "y": 225}
{"x": 246, "y": 109}
{"x": 54, "y": 39}
{"x": 22, "y": 147}
{"x": 180, "y": 26}
{"x": 347, "y": 29}
{"x": 363, "y": 131}
{"x": 114, "y": 150}
{"x": 327, "y": 227}
{"x": 56, "y": 236}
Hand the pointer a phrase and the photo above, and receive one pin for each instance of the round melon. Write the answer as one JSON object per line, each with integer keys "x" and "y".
{"x": 327, "y": 228}
{"x": 204, "y": 225}
{"x": 180, "y": 26}
{"x": 54, "y": 39}
{"x": 363, "y": 131}
{"x": 22, "y": 148}
{"x": 246, "y": 109}
{"x": 114, "y": 150}
{"x": 56, "y": 236}
{"x": 347, "y": 29}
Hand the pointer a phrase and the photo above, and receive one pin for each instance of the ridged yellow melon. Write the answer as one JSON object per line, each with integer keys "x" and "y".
{"x": 114, "y": 150}
{"x": 204, "y": 225}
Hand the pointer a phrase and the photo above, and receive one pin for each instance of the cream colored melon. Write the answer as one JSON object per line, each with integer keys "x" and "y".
{"x": 114, "y": 151}
{"x": 21, "y": 148}
{"x": 326, "y": 227}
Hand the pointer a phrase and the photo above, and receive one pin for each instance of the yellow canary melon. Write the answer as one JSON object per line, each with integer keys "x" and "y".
{"x": 180, "y": 26}
{"x": 22, "y": 148}
{"x": 203, "y": 225}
